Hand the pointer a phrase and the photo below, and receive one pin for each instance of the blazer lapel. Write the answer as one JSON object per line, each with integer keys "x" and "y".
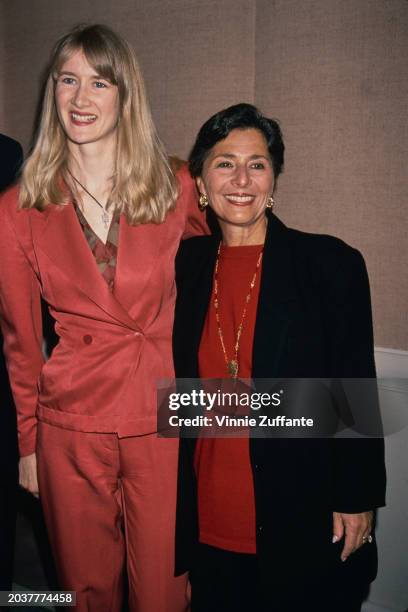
{"x": 195, "y": 268}
{"x": 138, "y": 254}
{"x": 277, "y": 290}
{"x": 205, "y": 283}
{"x": 56, "y": 231}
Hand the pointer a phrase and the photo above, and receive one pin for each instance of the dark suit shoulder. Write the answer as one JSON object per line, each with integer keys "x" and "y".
{"x": 319, "y": 244}
{"x": 326, "y": 264}
{"x": 9, "y": 145}
{"x": 324, "y": 252}
{"x": 12, "y": 158}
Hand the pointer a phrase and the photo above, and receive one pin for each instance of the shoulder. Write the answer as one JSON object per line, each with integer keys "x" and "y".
{"x": 324, "y": 252}
{"x": 183, "y": 176}
{"x": 316, "y": 260}
{"x": 176, "y": 163}
{"x": 12, "y": 216}
{"x": 11, "y": 160}
{"x": 186, "y": 184}
{"x": 319, "y": 244}
{"x": 179, "y": 167}
{"x": 10, "y": 146}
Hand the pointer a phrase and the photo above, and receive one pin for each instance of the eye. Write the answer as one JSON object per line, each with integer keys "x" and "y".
{"x": 100, "y": 84}
{"x": 258, "y": 166}
{"x": 67, "y": 80}
{"x": 224, "y": 164}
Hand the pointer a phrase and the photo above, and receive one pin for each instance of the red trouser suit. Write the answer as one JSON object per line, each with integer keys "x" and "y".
{"x": 95, "y": 397}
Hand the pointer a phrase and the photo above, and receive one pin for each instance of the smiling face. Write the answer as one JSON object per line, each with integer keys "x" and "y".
{"x": 86, "y": 103}
{"x": 238, "y": 179}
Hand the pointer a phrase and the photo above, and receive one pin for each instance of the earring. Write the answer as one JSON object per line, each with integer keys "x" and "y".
{"x": 203, "y": 202}
{"x": 270, "y": 203}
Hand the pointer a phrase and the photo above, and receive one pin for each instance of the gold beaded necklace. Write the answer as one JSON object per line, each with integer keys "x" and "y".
{"x": 232, "y": 364}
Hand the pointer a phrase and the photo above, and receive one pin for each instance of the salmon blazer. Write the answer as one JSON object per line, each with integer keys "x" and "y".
{"x": 113, "y": 346}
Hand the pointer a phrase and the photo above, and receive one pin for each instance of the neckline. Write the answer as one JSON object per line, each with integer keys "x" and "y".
{"x": 240, "y": 252}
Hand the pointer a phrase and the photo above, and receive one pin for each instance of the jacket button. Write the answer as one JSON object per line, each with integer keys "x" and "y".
{"x": 87, "y": 339}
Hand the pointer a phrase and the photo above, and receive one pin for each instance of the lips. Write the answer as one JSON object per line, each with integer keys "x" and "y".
{"x": 240, "y": 199}
{"x": 82, "y": 118}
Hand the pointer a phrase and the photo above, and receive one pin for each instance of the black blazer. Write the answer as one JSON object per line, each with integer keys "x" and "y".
{"x": 313, "y": 320}
{"x": 11, "y": 158}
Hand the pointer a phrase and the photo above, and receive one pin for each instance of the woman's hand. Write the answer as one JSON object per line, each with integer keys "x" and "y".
{"x": 28, "y": 474}
{"x": 355, "y": 527}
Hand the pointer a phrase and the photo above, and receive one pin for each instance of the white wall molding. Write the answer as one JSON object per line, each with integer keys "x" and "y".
{"x": 389, "y": 592}
{"x": 369, "y": 607}
{"x": 391, "y": 363}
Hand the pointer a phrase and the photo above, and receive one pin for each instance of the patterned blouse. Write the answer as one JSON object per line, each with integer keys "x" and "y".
{"x": 105, "y": 254}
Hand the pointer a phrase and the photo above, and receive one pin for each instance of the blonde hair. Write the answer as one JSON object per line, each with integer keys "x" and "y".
{"x": 144, "y": 188}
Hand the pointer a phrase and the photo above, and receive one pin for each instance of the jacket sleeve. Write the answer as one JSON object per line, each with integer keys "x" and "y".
{"x": 21, "y": 324}
{"x": 195, "y": 224}
{"x": 358, "y": 464}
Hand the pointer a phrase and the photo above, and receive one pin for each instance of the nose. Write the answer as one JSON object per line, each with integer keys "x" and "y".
{"x": 241, "y": 176}
{"x": 80, "y": 97}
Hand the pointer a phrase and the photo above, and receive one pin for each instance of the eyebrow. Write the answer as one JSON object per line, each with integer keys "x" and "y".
{"x": 233, "y": 156}
{"x": 93, "y": 76}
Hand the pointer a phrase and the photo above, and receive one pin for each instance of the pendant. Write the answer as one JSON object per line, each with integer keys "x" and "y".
{"x": 105, "y": 219}
{"x": 233, "y": 368}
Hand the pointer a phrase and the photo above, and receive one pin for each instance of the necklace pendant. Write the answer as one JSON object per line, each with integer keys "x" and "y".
{"x": 233, "y": 368}
{"x": 105, "y": 219}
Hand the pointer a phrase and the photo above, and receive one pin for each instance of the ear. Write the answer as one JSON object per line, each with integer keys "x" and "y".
{"x": 200, "y": 185}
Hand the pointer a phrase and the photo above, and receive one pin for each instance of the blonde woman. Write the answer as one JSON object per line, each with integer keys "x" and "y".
{"x": 93, "y": 228}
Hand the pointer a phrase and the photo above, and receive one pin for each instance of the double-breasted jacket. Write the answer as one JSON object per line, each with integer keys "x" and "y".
{"x": 112, "y": 345}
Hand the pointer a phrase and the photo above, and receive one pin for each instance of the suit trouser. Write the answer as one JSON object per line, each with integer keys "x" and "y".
{"x": 109, "y": 501}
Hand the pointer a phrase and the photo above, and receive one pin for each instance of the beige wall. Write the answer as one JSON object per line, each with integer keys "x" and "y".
{"x": 332, "y": 73}
{"x": 191, "y": 53}
{"x": 2, "y": 60}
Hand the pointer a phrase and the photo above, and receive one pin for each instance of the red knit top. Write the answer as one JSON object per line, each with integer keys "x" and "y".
{"x": 226, "y": 503}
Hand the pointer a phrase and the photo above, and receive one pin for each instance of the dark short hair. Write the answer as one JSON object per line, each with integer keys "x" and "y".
{"x": 240, "y": 116}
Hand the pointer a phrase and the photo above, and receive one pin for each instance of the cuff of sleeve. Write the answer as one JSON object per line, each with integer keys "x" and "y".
{"x": 27, "y": 442}
{"x": 358, "y": 508}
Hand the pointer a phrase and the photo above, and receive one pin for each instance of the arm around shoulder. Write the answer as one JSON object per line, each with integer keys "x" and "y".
{"x": 195, "y": 224}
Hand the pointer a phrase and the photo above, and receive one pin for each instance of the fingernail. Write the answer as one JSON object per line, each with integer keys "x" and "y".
{"x": 334, "y": 539}
{"x": 344, "y": 558}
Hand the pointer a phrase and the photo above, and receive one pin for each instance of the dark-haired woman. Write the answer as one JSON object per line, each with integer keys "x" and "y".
{"x": 271, "y": 524}
{"x": 93, "y": 228}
